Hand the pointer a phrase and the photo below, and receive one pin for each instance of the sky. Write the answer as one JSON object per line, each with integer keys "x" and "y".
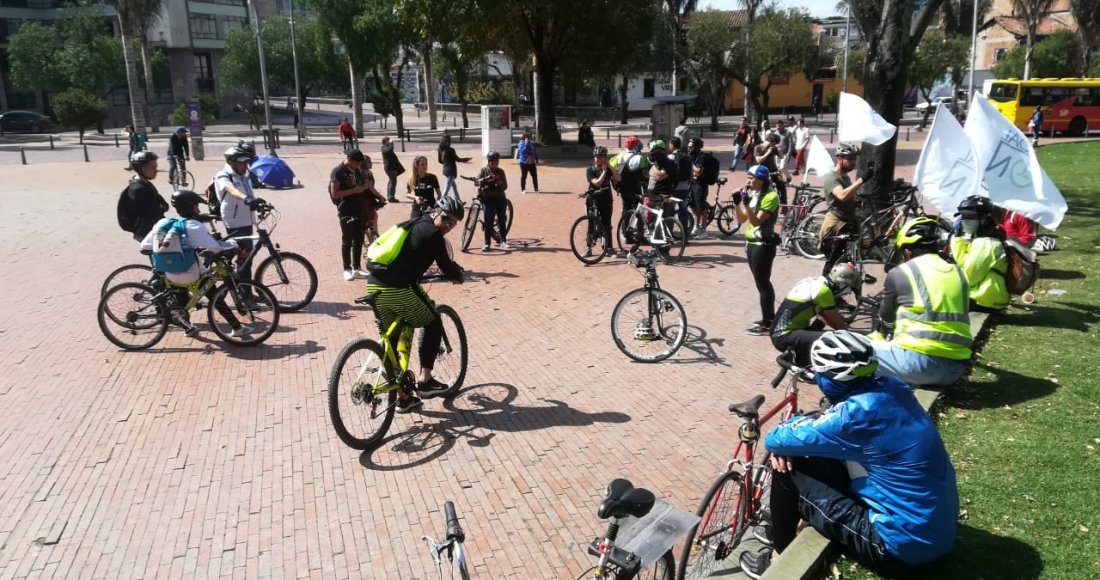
{"x": 818, "y": 8}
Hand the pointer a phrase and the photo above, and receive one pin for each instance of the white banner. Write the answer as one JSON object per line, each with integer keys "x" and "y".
{"x": 1009, "y": 168}
{"x": 857, "y": 121}
{"x": 947, "y": 171}
{"x": 818, "y": 159}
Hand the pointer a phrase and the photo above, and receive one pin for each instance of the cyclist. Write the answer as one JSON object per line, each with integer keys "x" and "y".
{"x": 398, "y": 292}
{"x": 699, "y": 190}
{"x": 233, "y": 188}
{"x": 600, "y": 178}
{"x": 684, "y": 178}
{"x": 423, "y": 188}
{"x": 809, "y": 307}
{"x": 840, "y": 192}
{"x": 348, "y": 190}
{"x": 178, "y": 152}
{"x": 140, "y": 205}
{"x": 374, "y": 198}
{"x": 978, "y": 248}
{"x": 493, "y": 200}
{"x": 632, "y": 167}
{"x": 758, "y": 206}
{"x": 870, "y": 472}
{"x": 662, "y": 174}
{"x": 198, "y": 237}
{"x": 924, "y": 312}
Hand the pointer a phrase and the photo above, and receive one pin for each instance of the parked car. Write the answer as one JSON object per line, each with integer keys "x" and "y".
{"x": 935, "y": 102}
{"x": 16, "y": 121}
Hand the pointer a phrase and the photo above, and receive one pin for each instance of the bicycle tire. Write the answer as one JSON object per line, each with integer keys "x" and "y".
{"x": 150, "y": 334}
{"x": 625, "y": 234}
{"x": 263, "y": 319}
{"x": 721, "y": 539}
{"x": 375, "y": 369}
{"x": 137, "y": 273}
{"x": 806, "y": 237}
{"x": 689, "y": 223}
{"x": 637, "y": 327}
{"x": 727, "y": 221}
{"x": 663, "y": 569}
{"x": 470, "y": 226}
{"x": 282, "y": 285}
{"x": 591, "y": 234}
{"x": 509, "y": 215}
{"x": 453, "y": 358}
{"x": 188, "y": 180}
{"x": 676, "y": 237}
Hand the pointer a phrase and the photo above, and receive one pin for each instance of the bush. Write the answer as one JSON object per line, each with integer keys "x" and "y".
{"x": 208, "y": 110}
{"x": 79, "y": 109}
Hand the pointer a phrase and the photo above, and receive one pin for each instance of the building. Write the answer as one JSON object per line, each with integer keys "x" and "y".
{"x": 1004, "y": 30}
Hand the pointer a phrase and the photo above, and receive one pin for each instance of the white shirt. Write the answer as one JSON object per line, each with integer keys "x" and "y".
{"x": 235, "y": 214}
{"x": 198, "y": 238}
{"x": 801, "y": 137}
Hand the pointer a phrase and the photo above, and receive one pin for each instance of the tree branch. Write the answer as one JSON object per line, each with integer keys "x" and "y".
{"x": 921, "y": 22}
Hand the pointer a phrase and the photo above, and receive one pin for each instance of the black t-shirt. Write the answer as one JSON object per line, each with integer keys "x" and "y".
{"x": 145, "y": 204}
{"x": 660, "y": 189}
{"x": 424, "y": 188}
{"x": 593, "y": 173}
{"x": 347, "y": 178}
{"x": 424, "y": 245}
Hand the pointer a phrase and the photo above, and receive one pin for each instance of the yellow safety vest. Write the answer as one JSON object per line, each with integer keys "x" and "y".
{"x": 938, "y": 321}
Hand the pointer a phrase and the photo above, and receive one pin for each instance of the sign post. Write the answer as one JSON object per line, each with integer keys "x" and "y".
{"x": 194, "y": 119}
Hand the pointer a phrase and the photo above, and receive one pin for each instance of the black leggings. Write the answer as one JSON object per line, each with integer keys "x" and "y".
{"x": 524, "y": 169}
{"x": 494, "y": 208}
{"x": 352, "y": 230}
{"x": 761, "y": 258}
{"x": 800, "y": 341}
{"x": 604, "y": 205}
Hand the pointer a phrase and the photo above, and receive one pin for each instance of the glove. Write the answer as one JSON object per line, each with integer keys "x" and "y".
{"x": 868, "y": 174}
{"x": 736, "y": 197}
{"x": 249, "y": 202}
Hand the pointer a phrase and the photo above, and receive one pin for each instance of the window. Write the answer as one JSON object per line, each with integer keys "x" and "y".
{"x": 999, "y": 54}
{"x": 204, "y": 26}
{"x": 1094, "y": 98}
{"x": 1033, "y": 96}
{"x": 1057, "y": 94}
{"x": 647, "y": 88}
{"x": 202, "y": 66}
{"x": 1003, "y": 92}
{"x": 232, "y": 23}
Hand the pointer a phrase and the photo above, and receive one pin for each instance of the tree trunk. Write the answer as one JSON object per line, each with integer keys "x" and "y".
{"x": 624, "y": 105}
{"x": 1028, "y": 52}
{"x": 716, "y": 92}
{"x": 675, "y": 71}
{"x": 356, "y": 99}
{"x": 133, "y": 83}
{"x": 429, "y": 86}
{"x": 395, "y": 98}
{"x": 147, "y": 67}
{"x": 461, "y": 82}
{"x": 547, "y": 129}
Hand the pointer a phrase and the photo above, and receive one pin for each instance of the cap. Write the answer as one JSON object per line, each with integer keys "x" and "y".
{"x": 759, "y": 172}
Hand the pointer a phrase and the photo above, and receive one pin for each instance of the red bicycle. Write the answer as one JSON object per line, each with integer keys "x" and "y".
{"x": 733, "y": 503}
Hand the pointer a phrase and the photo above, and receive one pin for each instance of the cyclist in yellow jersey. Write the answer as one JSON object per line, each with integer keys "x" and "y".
{"x": 978, "y": 248}
{"x": 757, "y": 204}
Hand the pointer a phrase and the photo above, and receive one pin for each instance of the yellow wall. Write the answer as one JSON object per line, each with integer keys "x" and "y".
{"x": 796, "y": 93}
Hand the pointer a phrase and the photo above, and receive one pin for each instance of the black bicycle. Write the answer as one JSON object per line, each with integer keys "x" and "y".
{"x": 648, "y": 324}
{"x": 588, "y": 237}
{"x": 721, "y": 212}
{"x": 473, "y": 217}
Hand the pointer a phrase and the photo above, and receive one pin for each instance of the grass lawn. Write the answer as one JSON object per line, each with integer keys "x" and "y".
{"x": 1024, "y": 433}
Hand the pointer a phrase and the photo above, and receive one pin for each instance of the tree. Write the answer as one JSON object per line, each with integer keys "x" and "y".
{"x": 134, "y": 19}
{"x": 80, "y": 109}
{"x": 1054, "y": 57}
{"x": 709, "y": 40}
{"x": 676, "y": 14}
{"x": 1087, "y": 15}
{"x": 751, "y": 7}
{"x": 958, "y": 16}
{"x": 1032, "y": 13}
{"x": 792, "y": 48}
{"x": 936, "y": 56}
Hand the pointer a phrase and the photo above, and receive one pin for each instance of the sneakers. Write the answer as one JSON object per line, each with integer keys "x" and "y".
{"x": 504, "y": 246}
{"x": 755, "y": 564}
{"x": 760, "y": 330}
{"x": 761, "y": 533}
{"x": 485, "y": 248}
{"x": 361, "y": 274}
{"x": 701, "y": 234}
{"x": 587, "y": 253}
{"x": 349, "y": 275}
{"x": 392, "y": 200}
{"x": 240, "y": 331}
{"x": 409, "y": 404}
{"x": 180, "y": 317}
{"x": 432, "y": 388}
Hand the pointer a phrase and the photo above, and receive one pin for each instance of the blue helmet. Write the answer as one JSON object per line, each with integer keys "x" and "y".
{"x": 181, "y": 129}
{"x": 759, "y": 172}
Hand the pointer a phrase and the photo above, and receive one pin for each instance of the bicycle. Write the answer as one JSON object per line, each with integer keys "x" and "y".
{"x": 473, "y": 217}
{"x": 648, "y": 225}
{"x": 648, "y": 324}
{"x": 289, "y": 276}
{"x": 180, "y": 178}
{"x": 733, "y": 502}
{"x": 588, "y": 231}
{"x": 802, "y": 204}
{"x": 452, "y": 545}
{"x": 621, "y": 501}
{"x": 721, "y": 212}
{"x": 368, "y": 386}
{"x": 142, "y": 312}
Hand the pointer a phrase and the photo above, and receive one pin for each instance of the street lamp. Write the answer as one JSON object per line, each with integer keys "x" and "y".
{"x": 973, "y": 56}
{"x": 847, "y": 42}
{"x": 297, "y": 84}
{"x": 263, "y": 76}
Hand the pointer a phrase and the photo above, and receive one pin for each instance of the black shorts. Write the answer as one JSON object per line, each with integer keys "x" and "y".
{"x": 697, "y": 197}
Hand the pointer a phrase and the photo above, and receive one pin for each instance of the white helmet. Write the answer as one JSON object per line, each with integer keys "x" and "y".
{"x": 843, "y": 356}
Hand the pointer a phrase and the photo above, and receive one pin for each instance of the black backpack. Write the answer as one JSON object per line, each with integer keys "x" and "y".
{"x": 127, "y": 220}
{"x": 711, "y": 170}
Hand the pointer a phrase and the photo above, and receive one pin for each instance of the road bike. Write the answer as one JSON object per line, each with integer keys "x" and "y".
{"x": 722, "y": 212}
{"x": 474, "y": 217}
{"x": 180, "y": 178}
{"x": 648, "y": 324}
{"x": 452, "y": 546}
{"x": 135, "y": 316}
{"x": 588, "y": 238}
{"x": 289, "y": 276}
{"x": 650, "y": 226}
{"x": 733, "y": 503}
{"x": 365, "y": 379}
{"x": 803, "y": 203}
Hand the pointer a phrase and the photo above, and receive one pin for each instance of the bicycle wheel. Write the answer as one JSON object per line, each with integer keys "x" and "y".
{"x": 252, "y": 305}
{"x": 509, "y": 215}
{"x": 470, "y": 227}
{"x": 588, "y": 239}
{"x": 291, "y": 278}
{"x": 727, "y": 221}
{"x": 714, "y": 538}
{"x": 671, "y": 252}
{"x": 137, "y": 273}
{"x": 688, "y": 224}
{"x": 663, "y": 569}
{"x": 453, "y": 356}
{"x": 185, "y": 179}
{"x": 627, "y": 234}
{"x": 806, "y": 241}
{"x": 648, "y": 327}
{"x": 130, "y": 316}
{"x": 359, "y": 415}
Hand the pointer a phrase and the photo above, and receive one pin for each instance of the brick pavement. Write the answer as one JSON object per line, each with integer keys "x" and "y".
{"x": 196, "y": 460}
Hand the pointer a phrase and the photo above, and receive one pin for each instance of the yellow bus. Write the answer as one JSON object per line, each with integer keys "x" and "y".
{"x": 1070, "y": 106}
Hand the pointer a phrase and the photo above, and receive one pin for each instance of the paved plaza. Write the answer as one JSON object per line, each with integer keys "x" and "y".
{"x": 199, "y": 460}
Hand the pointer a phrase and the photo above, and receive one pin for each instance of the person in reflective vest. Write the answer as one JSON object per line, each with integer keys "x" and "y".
{"x": 978, "y": 248}
{"x": 923, "y": 336}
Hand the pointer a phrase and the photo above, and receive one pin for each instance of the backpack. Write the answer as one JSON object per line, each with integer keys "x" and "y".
{"x": 170, "y": 254}
{"x": 711, "y": 170}
{"x": 384, "y": 250}
{"x": 125, "y": 210}
{"x": 1023, "y": 267}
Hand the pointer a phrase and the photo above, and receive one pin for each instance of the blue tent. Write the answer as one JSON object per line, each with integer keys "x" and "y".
{"x": 272, "y": 171}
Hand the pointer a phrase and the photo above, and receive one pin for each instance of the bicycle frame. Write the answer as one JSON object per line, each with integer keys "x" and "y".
{"x": 658, "y": 236}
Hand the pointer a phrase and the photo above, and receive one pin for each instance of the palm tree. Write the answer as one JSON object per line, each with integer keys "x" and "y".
{"x": 677, "y": 13}
{"x": 1032, "y": 13}
{"x": 1087, "y": 15}
{"x": 134, "y": 19}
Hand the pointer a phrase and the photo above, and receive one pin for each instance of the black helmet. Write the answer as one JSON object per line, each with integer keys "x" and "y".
{"x": 697, "y": 142}
{"x": 187, "y": 203}
{"x": 247, "y": 148}
{"x": 239, "y": 154}
{"x": 979, "y": 205}
{"x": 493, "y": 156}
{"x": 599, "y": 151}
{"x": 451, "y": 206}
{"x": 141, "y": 158}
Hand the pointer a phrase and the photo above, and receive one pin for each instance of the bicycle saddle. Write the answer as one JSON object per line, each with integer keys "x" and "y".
{"x": 722, "y": 180}
{"x": 367, "y": 300}
{"x": 749, "y": 408}
{"x": 623, "y": 499}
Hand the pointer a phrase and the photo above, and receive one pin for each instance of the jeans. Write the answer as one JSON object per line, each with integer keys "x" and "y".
{"x": 761, "y": 257}
{"x": 391, "y": 187}
{"x": 915, "y": 368}
{"x": 494, "y": 208}
{"x": 450, "y": 184}
{"x": 738, "y": 153}
{"x": 173, "y": 162}
{"x": 352, "y": 230}
{"x": 524, "y": 169}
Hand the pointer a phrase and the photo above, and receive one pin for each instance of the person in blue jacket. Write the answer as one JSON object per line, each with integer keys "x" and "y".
{"x": 870, "y": 472}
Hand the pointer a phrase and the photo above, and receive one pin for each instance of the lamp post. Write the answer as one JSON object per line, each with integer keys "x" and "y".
{"x": 847, "y": 42}
{"x": 973, "y": 56}
{"x": 263, "y": 76}
{"x": 297, "y": 84}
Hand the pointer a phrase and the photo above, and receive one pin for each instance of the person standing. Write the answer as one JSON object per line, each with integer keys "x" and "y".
{"x": 1036, "y": 125}
{"x": 632, "y": 168}
{"x": 681, "y": 130}
{"x": 393, "y": 168}
{"x": 840, "y": 193}
{"x": 600, "y": 178}
{"x": 768, "y": 154}
{"x": 140, "y": 205}
{"x": 528, "y": 163}
{"x": 493, "y": 200}
{"x": 739, "y": 140}
{"x": 801, "y": 146}
{"x": 758, "y": 206}
{"x": 233, "y": 188}
{"x": 179, "y": 151}
{"x": 449, "y": 159}
{"x": 348, "y": 190}
{"x": 422, "y": 189}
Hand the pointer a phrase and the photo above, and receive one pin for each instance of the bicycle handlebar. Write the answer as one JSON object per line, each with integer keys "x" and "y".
{"x": 454, "y": 529}
{"x": 786, "y": 365}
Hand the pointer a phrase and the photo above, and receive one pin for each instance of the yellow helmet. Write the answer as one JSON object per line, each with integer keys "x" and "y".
{"x": 920, "y": 232}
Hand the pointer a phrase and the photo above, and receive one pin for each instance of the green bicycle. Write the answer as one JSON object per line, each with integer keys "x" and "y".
{"x": 366, "y": 377}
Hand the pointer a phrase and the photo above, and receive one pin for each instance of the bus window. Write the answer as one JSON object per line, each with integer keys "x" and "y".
{"x": 1092, "y": 99}
{"x": 1057, "y": 94}
{"x": 1003, "y": 92}
{"x": 1033, "y": 96}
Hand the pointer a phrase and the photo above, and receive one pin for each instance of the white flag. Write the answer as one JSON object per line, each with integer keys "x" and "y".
{"x": 1009, "y": 168}
{"x": 857, "y": 121}
{"x": 947, "y": 171}
{"x": 818, "y": 159}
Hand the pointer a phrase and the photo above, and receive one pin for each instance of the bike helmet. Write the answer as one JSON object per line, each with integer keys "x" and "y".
{"x": 181, "y": 129}
{"x": 697, "y": 142}
{"x": 598, "y": 151}
{"x": 141, "y": 158}
{"x": 451, "y": 206}
{"x": 977, "y": 205}
{"x": 247, "y": 147}
{"x": 493, "y": 156}
{"x": 237, "y": 153}
{"x": 187, "y": 202}
{"x": 843, "y": 277}
{"x": 657, "y": 145}
{"x": 760, "y": 172}
{"x": 847, "y": 149}
{"x": 922, "y": 232}
{"x": 843, "y": 356}
{"x": 632, "y": 144}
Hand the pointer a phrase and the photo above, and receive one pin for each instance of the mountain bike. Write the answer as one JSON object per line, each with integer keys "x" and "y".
{"x": 473, "y": 217}
{"x": 180, "y": 178}
{"x": 721, "y": 212}
{"x": 648, "y": 324}
{"x": 135, "y": 316}
{"x": 453, "y": 545}
{"x": 804, "y": 201}
{"x": 733, "y": 503}
{"x": 365, "y": 379}
{"x": 588, "y": 232}
{"x": 289, "y": 276}
{"x": 650, "y": 226}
